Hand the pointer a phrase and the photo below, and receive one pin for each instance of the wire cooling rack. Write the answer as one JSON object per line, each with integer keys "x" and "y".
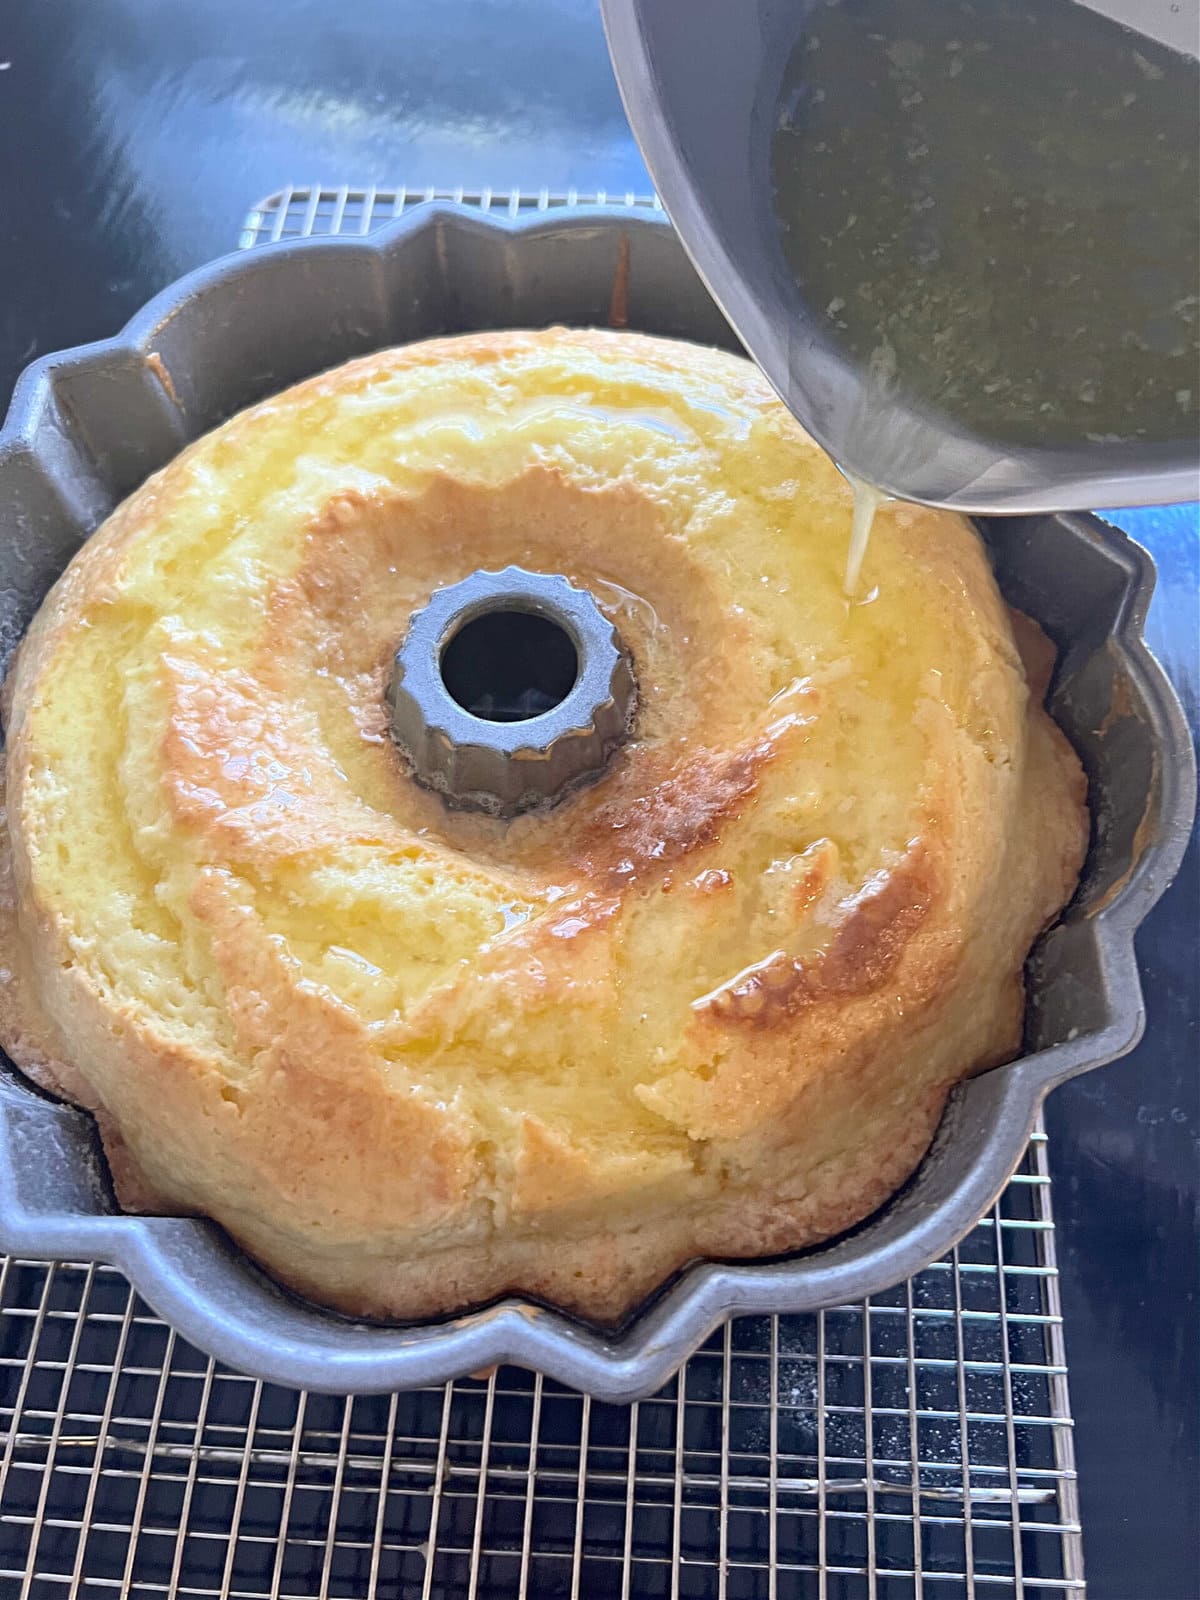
{"x": 300, "y": 213}
{"x": 915, "y": 1447}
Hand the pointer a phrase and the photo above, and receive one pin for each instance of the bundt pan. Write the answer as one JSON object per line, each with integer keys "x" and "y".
{"x": 88, "y": 425}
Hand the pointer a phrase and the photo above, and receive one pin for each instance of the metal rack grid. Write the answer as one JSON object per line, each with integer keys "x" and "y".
{"x": 312, "y": 211}
{"x": 914, "y": 1447}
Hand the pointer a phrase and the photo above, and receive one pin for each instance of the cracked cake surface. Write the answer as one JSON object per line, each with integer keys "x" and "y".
{"x": 412, "y": 1058}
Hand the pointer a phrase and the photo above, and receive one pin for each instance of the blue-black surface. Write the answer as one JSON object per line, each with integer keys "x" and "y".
{"x": 133, "y": 136}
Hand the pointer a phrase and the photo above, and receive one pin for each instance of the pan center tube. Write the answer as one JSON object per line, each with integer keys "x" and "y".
{"x": 510, "y": 690}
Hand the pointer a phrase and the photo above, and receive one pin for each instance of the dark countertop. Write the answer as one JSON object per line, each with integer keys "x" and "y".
{"x": 136, "y": 133}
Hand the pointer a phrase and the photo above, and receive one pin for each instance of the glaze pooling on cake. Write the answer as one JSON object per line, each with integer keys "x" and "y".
{"x": 412, "y": 1058}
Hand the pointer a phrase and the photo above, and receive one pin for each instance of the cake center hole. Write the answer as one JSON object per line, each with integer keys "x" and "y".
{"x": 508, "y": 666}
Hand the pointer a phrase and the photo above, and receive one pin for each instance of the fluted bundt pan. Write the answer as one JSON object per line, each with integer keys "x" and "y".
{"x": 88, "y": 425}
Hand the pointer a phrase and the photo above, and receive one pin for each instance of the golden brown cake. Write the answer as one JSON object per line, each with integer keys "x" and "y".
{"x": 412, "y": 1057}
